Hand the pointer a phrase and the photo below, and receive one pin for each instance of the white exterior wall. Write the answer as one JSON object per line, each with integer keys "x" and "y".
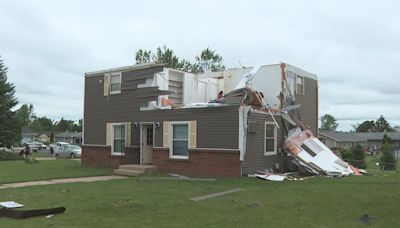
{"x": 268, "y": 81}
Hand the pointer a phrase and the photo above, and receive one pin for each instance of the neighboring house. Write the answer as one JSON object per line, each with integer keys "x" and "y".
{"x": 70, "y": 137}
{"x": 126, "y": 119}
{"x": 27, "y": 135}
{"x": 345, "y": 140}
{"x": 43, "y": 137}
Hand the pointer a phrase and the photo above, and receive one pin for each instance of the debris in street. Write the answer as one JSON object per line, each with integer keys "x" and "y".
{"x": 21, "y": 214}
{"x": 10, "y": 204}
{"x": 216, "y": 194}
{"x": 313, "y": 157}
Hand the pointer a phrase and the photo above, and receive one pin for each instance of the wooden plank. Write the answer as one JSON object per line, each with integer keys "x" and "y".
{"x": 216, "y": 194}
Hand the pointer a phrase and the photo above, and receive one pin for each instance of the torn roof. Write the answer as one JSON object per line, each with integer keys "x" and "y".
{"x": 124, "y": 68}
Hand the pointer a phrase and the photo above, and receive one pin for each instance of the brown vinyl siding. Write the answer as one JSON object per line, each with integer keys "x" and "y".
{"x": 254, "y": 159}
{"x": 309, "y": 104}
{"x": 216, "y": 127}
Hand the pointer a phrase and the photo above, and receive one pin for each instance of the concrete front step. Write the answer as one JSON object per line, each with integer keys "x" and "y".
{"x": 135, "y": 170}
{"x": 125, "y": 172}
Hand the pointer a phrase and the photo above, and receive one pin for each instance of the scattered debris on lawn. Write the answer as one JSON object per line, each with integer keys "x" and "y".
{"x": 178, "y": 177}
{"x": 291, "y": 176}
{"x": 10, "y": 204}
{"x": 49, "y": 216}
{"x": 21, "y": 214}
{"x": 216, "y": 194}
{"x": 366, "y": 218}
{"x": 313, "y": 157}
{"x": 271, "y": 177}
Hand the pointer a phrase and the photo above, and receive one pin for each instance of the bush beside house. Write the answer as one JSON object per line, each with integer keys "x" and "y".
{"x": 355, "y": 156}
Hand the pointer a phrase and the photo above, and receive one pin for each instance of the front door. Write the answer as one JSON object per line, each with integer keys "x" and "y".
{"x": 147, "y": 144}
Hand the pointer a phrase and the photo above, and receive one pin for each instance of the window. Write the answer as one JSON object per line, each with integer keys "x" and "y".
{"x": 291, "y": 82}
{"x": 180, "y": 140}
{"x": 270, "y": 144}
{"x": 115, "y": 83}
{"x": 300, "y": 84}
{"x": 149, "y": 136}
{"x": 118, "y": 139}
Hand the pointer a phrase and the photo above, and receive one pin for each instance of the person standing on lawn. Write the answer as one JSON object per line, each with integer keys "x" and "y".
{"x": 27, "y": 151}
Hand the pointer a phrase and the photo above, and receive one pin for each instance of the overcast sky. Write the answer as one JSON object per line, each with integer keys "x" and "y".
{"x": 353, "y": 46}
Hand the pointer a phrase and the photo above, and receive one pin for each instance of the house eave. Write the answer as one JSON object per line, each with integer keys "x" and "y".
{"x": 124, "y": 69}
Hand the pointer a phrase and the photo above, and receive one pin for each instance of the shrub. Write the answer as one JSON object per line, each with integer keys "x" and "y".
{"x": 387, "y": 160}
{"x": 355, "y": 156}
{"x": 8, "y": 156}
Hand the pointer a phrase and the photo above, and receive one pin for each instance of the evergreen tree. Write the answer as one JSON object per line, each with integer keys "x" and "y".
{"x": 10, "y": 129}
{"x": 358, "y": 157}
{"x": 387, "y": 160}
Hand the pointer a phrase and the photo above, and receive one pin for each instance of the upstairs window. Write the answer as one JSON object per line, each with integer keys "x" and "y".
{"x": 300, "y": 84}
{"x": 115, "y": 83}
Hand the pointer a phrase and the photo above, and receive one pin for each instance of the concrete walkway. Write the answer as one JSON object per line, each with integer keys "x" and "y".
{"x": 60, "y": 181}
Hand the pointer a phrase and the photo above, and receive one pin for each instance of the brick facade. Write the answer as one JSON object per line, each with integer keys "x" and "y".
{"x": 201, "y": 162}
{"x": 98, "y": 155}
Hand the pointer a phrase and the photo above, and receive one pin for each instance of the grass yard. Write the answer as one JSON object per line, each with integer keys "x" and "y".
{"x": 316, "y": 202}
{"x": 19, "y": 171}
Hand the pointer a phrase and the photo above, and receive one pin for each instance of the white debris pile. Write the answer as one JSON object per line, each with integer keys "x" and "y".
{"x": 313, "y": 157}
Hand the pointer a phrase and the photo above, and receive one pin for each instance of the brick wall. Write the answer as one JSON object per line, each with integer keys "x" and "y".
{"x": 201, "y": 162}
{"x": 99, "y": 155}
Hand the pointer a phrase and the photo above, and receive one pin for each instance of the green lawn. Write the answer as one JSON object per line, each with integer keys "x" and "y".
{"x": 316, "y": 202}
{"x": 19, "y": 171}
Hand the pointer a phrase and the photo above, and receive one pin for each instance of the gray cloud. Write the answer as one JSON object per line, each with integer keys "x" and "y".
{"x": 351, "y": 45}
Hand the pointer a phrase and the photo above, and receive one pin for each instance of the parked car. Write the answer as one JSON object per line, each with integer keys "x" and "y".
{"x": 66, "y": 150}
{"x": 33, "y": 145}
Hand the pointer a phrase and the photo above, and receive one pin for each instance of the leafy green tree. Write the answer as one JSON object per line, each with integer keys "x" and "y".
{"x": 366, "y": 126}
{"x": 382, "y": 125}
{"x": 387, "y": 160}
{"x": 10, "y": 130}
{"x": 42, "y": 124}
{"x": 358, "y": 157}
{"x": 26, "y": 114}
{"x": 208, "y": 59}
{"x": 64, "y": 125}
{"x": 328, "y": 122}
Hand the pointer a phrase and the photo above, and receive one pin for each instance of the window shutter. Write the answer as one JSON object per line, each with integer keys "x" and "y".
{"x": 106, "y": 84}
{"x": 193, "y": 135}
{"x": 108, "y": 134}
{"x": 166, "y": 125}
{"x": 128, "y": 134}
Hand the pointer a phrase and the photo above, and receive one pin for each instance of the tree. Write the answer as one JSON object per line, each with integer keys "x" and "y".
{"x": 26, "y": 114}
{"x": 328, "y": 122}
{"x": 208, "y": 59}
{"x": 355, "y": 156}
{"x": 10, "y": 130}
{"x": 387, "y": 160}
{"x": 64, "y": 125}
{"x": 366, "y": 126}
{"x": 42, "y": 124}
{"x": 381, "y": 125}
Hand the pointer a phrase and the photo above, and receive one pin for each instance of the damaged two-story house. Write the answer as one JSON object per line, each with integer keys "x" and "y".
{"x": 178, "y": 121}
